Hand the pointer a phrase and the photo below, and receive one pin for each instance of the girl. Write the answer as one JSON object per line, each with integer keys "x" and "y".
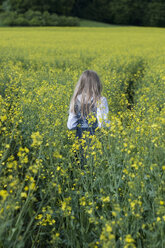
{"x": 87, "y": 100}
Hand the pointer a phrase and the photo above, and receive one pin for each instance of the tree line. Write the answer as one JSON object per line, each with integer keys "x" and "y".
{"x": 126, "y": 12}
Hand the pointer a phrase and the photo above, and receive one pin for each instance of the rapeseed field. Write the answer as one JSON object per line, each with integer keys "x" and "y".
{"x": 46, "y": 199}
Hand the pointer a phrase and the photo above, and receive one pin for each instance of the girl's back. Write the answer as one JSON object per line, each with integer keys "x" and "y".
{"x": 84, "y": 122}
{"x": 87, "y": 102}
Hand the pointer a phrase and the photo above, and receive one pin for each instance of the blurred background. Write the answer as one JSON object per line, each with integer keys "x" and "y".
{"x": 72, "y": 12}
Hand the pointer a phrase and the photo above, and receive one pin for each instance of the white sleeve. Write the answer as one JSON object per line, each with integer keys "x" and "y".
{"x": 102, "y": 112}
{"x": 72, "y": 121}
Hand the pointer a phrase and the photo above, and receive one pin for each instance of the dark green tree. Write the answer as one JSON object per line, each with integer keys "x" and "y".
{"x": 127, "y": 12}
{"x": 63, "y": 7}
{"x": 155, "y": 14}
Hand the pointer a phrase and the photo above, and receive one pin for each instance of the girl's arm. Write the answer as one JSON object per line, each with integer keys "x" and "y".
{"x": 102, "y": 113}
{"x": 72, "y": 121}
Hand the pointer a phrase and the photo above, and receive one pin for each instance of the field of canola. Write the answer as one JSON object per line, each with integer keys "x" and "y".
{"x": 46, "y": 200}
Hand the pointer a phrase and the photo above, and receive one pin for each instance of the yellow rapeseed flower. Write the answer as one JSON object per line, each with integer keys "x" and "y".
{"x": 23, "y": 194}
{"x": 3, "y": 194}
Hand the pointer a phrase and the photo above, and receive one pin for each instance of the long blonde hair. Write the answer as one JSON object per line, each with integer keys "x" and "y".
{"x": 88, "y": 86}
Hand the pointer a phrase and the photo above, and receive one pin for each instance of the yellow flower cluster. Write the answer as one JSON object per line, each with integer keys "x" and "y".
{"x": 129, "y": 242}
{"x": 107, "y": 238}
{"x": 37, "y": 139}
{"x": 45, "y": 218}
{"x": 65, "y": 206}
